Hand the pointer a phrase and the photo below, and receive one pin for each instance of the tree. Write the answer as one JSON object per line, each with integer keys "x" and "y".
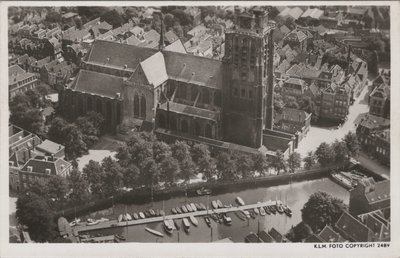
{"x": 341, "y": 152}
{"x": 58, "y": 187}
{"x": 182, "y": 16}
{"x": 54, "y": 17}
{"x": 278, "y": 103}
{"x": 79, "y": 186}
{"x": 199, "y": 151}
{"x": 294, "y": 161}
{"x": 56, "y": 130}
{"x": 226, "y": 166}
{"x": 278, "y": 161}
{"x": 169, "y": 170}
{"x": 291, "y": 102}
{"x": 90, "y": 125}
{"x": 245, "y": 165}
{"x": 206, "y": 166}
{"x": 113, "y": 176}
{"x": 309, "y": 160}
{"x": 161, "y": 151}
{"x": 325, "y": 154}
{"x": 73, "y": 141}
{"x": 113, "y": 17}
{"x": 168, "y": 20}
{"x": 94, "y": 174}
{"x": 181, "y": 151}
{"x": 92, "y": 12}
{"x": 35, "y": 213}
{"x": 131, "y": 176}
{"x": 40, "y": 188}
{"x": 149, "y": 172}
{"x": 260, "y": 163}
{"x": 322, "y": 209}
{"x": 300, "y": 232}
{"x": 352, "y": 143}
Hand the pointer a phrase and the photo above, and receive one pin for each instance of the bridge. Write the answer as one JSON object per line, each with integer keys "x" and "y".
{"x": 114, "y": 223}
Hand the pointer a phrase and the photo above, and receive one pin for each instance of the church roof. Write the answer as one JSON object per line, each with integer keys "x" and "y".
{"x": 97, "y": 83}
{"x": 154, "y": 69}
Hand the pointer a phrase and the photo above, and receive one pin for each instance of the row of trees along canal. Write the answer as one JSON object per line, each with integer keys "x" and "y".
{"x": 143, "y": 163}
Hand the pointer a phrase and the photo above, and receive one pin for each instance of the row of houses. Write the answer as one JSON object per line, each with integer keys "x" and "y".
{"x": 31, "y": 159}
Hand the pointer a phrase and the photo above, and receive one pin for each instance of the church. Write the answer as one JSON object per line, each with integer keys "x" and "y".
{"x": 224, "y": 103}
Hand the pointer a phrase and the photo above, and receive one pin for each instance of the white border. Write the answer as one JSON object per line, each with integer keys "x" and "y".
{"x": 201, "y": 249}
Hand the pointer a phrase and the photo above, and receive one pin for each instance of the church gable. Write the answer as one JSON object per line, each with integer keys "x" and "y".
{"x": 139, "y": 77}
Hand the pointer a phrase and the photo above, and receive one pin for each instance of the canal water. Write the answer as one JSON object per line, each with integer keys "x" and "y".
{"x": 295, "y": 195}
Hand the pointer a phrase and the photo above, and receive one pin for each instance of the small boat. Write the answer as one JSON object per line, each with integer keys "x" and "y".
{"x": 152, "y": 212}
{"x": 252, "y": 214}
{"x": 194, "y": 208}
{"x": 227, "y": 219}
{"x": 162, "y": 213}
{"x": 272, "y": 209}
{"x": 120, "y": 237}
{"x": 73, "y": 223}
{"x": 198, "y": 207}
{"x": 155, "y": 232}
{"x": 128, "y": 216}
{"x": 262, "y": 211}
{"x": 246, "y": 214}
{"x": 214, "y": 204}
{"x": 194, "y": 220}
{"x": 203, "y": 191}
{"x": 147, "y": 213}
{"x": 266, "y": 208}
{"x": 287, "y": 210}
{"x": 256, "y": 211}
{"x": 135, "y": 215}
{"x": 173, "y": 210}
{"x": 189, "y": 208}
{"x": 214, "y": 217}
{"x": 104, "y": 220}
{"x": 120, "y": 217}
{"x": 203, "y": 207}
{"x": 240, "y": 201}
{"x": 279, "y": 207}
{"x": 220, "y": 205}
{"x": 178, "y": 210}
{"x": 89, "y": 220}
{"x": 95, "y": 222}
{"x": 176, "y": 224}
{"x": 240, "y": 215}
{"x": 141, "y": 215}
{"x": 184, "y": 209}
{"x": 157, "y": 213}
{"x": 186, "y": 225}
{"x": 207, "y": 220}
{"x": 168, "y": 228}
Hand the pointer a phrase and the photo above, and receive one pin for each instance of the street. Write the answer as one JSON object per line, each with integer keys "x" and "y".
{"x": 317, "y": 135}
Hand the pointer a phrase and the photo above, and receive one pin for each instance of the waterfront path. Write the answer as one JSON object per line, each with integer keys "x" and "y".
{"x": 114, "y": 223}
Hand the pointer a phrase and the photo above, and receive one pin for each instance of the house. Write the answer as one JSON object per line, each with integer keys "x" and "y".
{"x": 296, "y": 38}
{"x": 52, "y": 149}
{"x": 20, "y": 81}
{"x": 37, "y": 66}
{"x": 294, "y": 13}
{"x": 197, "y": 31}
{"x": 328, "y": 235}
{"x": 277, "y": 236}
{"x": 252, "y": 238}
{"x": 378, "y": 222}
{"x": 74, "y": 35}
{"x": 170, "y": 37}
{"x": 25, "y": 62}
{"x": 293, "y": 121}
{"x": 335, "y": 103}
{"x": 20, "y": 143}
{"x": 312, "y": 14}
{"x": 55, "y": 73}
{"x": 265, "y": 237}
{"x": 379, "y": 99}
{"x": 369, "y": 196}
{"x": 353, "y": 229}
{"x": 294, "y": 87}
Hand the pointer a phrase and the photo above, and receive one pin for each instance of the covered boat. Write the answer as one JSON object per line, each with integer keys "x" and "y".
{"x": 194, "y": 220}
{"x": 186, "y": 224}
{"x": 240, "y": 201}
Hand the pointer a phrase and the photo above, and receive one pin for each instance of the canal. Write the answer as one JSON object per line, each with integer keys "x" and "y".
{"x": 295, "y": 195}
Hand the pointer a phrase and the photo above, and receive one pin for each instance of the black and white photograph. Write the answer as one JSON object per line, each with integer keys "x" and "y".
{"x": 261, "y": 123}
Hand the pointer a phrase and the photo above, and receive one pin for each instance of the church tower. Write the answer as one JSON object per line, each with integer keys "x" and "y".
{"x": 247, "y": 104}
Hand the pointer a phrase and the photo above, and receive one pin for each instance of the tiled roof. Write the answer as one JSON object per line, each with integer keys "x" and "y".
{"x": 154, "y": 69}
{"x": 352, "y": 228}
{"x": 314, "y": 239}
{"x": 152, "y": 36}
{"x": 17, "y": 74}
{"x": 170, "y": 36}
{"x": 312, "y": 13}
{"x": 297, "y": 35}
{"x": 295, "y": 81}
{"x": 133, "y": 40}
{"x": 374, "y": 122}
{"x": 114, "y": 54}
{"x": 276, "y": 235}
{"x": 252, "y": 238}
{"x": 41, "y": 62}
{"x": 379, "y": 192}
{"x": 190, "y": 110}
{"x": 265, "y": 237}
{"x": 194, "y": 69}
{"x": 176, "y": 46}
{"x": 39, "y": 165}
{"x": 295, "y": 12}
{"x": 284, "y": 29}
{"x": 329, "y": 235}
{"x": 98, "y": 83}
{"x": 295, "y": 115}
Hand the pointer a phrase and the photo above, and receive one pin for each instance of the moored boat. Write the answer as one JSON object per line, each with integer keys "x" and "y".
{"x": 240, "y": 201}
{"x": 240, "y": 215}
{"x": 95, "y": 222}
{"x": 175, "y": 221}
{"x": 155, "y": 232}
{"x": 262, "y": 211}
{"x": 157, "y": 213}
{"x": 104, "y": 219}
{"x": 214, "y": 217}
{"x": 73, "y": 223}
{"x": 162, "y": 213}
{"x": 252, "y": 214}
{"x": 220, "y": 205}
{"x": 266, "y": 208}
{"x": 279, "y": 208}
{"x": 207, "y": 220}
{"x": 120, "y": 217}
{"x": 203, "y": 207}
{"x": 272, "y": 208}
{"x": 198, "y": 207}
{"x": 120, "y": 237}
{"x": 128, "y": 216}
{"x": 135, "y": 215}
{"x": 246, "y": 213}
{"x": 256, "y": 211}
{"x": 141, "y": 215}
{"x": 189, "y": 208}
{"x": 173, "y": 210}
{"x": 194, "y": 220}
{"x": 184, "y": 209}
{"x": 287, "y": 210}
{"x": 203, "y": 191}
{"x": 152, "y": 212}
{"x": 194, "y": 208}
{"x": 178, "y": 210}
{"x": 214, "y": 204}
{"x": 186, "y": 224}
{"x": 168, "y": 228}
{"x": 147, "y": 213}
{"x": 227, "y": 219}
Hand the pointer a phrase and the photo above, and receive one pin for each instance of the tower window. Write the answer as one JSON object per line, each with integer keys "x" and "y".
{"x": 243, "y": 93}
{"x": 235, "y": 92}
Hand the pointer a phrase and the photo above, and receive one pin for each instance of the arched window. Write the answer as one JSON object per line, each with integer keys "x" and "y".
{"x": 197, "y": 129}
{"x": 173, "y": 123}
{"x": 136, "y": 105}
{"x": 184, "y": 126}
{"x": 193, "y": 92}
{"x": 108, "y": 111}
{"x": 208, "y": 131}
{"x": 161, "y": 120}
{"x": 206, "y": 96}
{"x": 89, "y": 103}
{"x": 143, "y": 107}
{"x": 99, "y": 106}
